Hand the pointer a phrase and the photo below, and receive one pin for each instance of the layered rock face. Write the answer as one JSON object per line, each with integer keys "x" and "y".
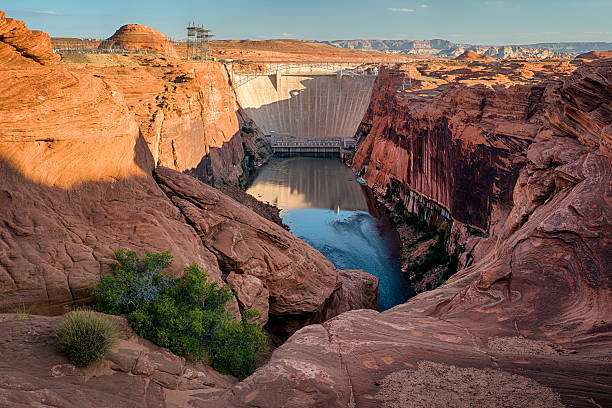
{"x": 137, "y": 37}
{"x": 77, "y": 184}
{"x": 188, "y": 115}
{"x": 20, "y": 46}
{"x": 462, "y": 151}
{"x": 535, "y": 304}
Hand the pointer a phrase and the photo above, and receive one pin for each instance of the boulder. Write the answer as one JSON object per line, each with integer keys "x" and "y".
{"x": 251, "y": 294}
{"x": 20, "y": 46}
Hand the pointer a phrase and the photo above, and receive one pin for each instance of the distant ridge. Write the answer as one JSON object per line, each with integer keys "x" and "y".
{"x": 445, "y": 48}
{"x": 592, "y": 55}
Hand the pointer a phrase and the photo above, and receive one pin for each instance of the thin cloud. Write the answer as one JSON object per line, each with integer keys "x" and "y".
{"x": 401, "y": 10}
{"x": 288, "y": 35}
{"x": 31, "y": 13}
{"x": 424, "y": 5}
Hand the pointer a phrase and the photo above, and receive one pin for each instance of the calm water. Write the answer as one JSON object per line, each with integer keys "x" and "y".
{"x": 324, "y": 206}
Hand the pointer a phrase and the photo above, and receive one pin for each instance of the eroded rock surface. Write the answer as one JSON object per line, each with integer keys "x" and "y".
{"x": 136, "y": 373}
{"x": 75, "y": 186}
{"x": 22, "y": 47}
{"x": 535, "y": 302}
{"x": 186, "y": 112}
{"x": 251, "y": 294}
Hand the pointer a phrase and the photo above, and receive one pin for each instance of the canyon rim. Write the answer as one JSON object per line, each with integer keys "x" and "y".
{"x": 492, "y": 166}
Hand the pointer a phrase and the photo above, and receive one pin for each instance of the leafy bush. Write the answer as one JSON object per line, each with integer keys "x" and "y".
{"x": 85, "y": 336}
{"x": 476, "y": 232}
{"x": 133, "y": 282}
{"x": 186, "y": 314}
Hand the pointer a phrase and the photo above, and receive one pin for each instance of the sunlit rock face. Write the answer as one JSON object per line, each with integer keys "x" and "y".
{"x": 22, "y": 47}
{"x": 315, "y": 106}
{"x": 188, "y": 115}
{"x": 75, "y": 186}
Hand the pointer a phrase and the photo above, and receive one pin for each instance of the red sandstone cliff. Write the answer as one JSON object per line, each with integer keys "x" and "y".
{"x": 536, "y": 303}
{"x": 187, "y": 114}
{"x": 20, "y": 46}
{"x": 76, "y": 165}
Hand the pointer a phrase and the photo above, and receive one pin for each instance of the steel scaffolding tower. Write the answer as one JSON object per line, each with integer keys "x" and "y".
{"x": 197, "y": 42}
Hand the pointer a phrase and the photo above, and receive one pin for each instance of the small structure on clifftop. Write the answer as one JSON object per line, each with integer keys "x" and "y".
{"x": 138, "y": 38}
{"x": 197, "y": 42}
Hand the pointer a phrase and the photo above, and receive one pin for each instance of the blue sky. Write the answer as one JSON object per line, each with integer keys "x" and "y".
{"x": 470, "y": 21}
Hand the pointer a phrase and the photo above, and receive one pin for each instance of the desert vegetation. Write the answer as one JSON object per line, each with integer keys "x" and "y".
{"x": 435, "y": 266}
{"x": 85, "y": 336}
{"x": 186, "y": 314}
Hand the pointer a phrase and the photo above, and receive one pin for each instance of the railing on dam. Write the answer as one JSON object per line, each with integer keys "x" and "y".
{"x": 288, "y": 145}
{"x": 243, "y": 72}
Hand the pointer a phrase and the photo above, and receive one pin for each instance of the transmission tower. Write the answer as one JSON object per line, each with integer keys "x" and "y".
{"x": 198, "y": 38}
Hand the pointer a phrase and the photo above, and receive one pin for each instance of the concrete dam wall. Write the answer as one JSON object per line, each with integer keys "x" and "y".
{"x": 307, "y": 106}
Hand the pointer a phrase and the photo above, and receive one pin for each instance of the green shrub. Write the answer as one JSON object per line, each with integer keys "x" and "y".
{"x": 186, "y": 314}
{"x": 436, "y": 255}
{"x": 85, "y": 336}
{"x": 476, "y": 232}
{"x": 133, "y": 282}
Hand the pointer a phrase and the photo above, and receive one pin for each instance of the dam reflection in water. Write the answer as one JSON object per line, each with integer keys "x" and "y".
{"x": 324, "y": 206}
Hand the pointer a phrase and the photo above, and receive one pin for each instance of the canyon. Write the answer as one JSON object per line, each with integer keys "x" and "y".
{"x": 105, "y": 151}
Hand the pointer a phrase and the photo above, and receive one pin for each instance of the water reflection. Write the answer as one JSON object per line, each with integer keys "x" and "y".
{"x": 308, "y": 182}
{"x": 323, "y": 205}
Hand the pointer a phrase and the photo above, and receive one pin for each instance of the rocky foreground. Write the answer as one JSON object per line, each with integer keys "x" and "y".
{"x": 88, "y": 165}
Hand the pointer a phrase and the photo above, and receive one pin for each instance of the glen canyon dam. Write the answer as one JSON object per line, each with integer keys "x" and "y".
{"x": 282, "y": 205}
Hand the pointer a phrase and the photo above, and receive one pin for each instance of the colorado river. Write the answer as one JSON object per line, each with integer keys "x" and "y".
{"x": 324, "y": 206}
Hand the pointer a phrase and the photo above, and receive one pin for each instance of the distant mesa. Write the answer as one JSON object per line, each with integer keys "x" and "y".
{"x": 139, "y": 38}
{"x": 594, "y": 55}
{"x": 470, "y": 55}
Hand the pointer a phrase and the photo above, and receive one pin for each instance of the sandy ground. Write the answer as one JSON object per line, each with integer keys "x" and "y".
{"x": 434, "y": 385}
